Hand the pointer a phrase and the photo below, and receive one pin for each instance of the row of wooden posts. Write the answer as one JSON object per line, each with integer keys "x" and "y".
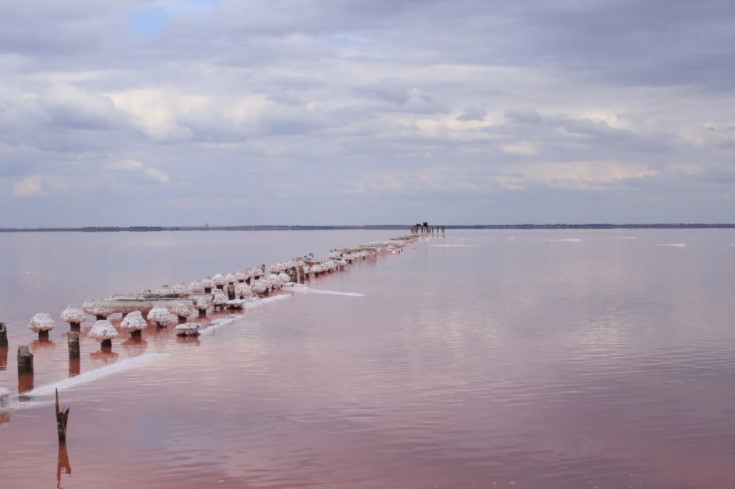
{"x": 25, "y": 356}
{"x": 25, "y": 370}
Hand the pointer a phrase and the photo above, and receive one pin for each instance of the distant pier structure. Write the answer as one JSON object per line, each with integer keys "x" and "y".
{"x": 424, "y": 228}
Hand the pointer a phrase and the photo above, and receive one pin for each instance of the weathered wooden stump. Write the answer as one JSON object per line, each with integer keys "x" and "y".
{"x": 136, "y": 333}
{"x": 73, "y": 344}
{"x": 3, "y": 357}
{"x": 25, "y": 360}
{"x": 62, "y": 416}
{"x": 231, "y": 292}
{"x": 43, "y": 335}
{"x": 75, "y": 327}
{"x": 3, "y": 335}
{"x": 106, "y": 344}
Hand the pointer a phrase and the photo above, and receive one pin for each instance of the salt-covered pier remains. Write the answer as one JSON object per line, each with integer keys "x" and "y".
{"x": 175, "y": 306}
{"x": 232, "y": 290}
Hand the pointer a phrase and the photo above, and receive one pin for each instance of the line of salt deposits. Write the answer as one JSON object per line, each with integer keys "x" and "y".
{"x": 243, "y": 290}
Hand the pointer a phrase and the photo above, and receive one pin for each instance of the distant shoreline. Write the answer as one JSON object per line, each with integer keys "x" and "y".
{"x": 116, "y": 229}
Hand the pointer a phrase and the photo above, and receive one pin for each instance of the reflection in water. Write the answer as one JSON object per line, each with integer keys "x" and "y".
{"x": 42, "y": 346}
{"x": 134, "y": 346}
{"x": 188, "y": 340}
{"x": 106, "y": 356}
{"x": 62, "y": 466}
{"x": 4, "y": 417}
{"x": 75, "y": 366}
{"x": 25, "y": 383}
{"x": 3, "y": 358}
{"x": 537, "y": 365}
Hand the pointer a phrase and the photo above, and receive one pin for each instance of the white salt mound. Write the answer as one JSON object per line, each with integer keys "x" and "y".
{"x": 103, "y": 330}
{"x": 41, "y": 322}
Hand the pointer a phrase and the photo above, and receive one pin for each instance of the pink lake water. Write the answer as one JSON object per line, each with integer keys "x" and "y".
{"x": 510, "y": 359}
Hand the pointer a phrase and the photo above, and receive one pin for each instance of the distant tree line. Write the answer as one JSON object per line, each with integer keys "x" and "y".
{"x": 278, "y": 227}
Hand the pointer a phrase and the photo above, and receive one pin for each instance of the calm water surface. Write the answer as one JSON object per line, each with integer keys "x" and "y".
{"x": 537, "y": 359}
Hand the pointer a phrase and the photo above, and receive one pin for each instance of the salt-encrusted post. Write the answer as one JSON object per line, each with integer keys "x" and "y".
{"x": 3, "y": 336}
{"x": 25, "y": 360}
{"x": 62, "y": 416}
{"x": 73, "y": 345}
{"x": 231, "y": 292}
{"x": 74, "y": 315}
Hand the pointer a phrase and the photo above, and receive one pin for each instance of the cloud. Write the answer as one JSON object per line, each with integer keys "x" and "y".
{"x": 584, "y": 175}
{"x": 71, "y": 107}
{"x": 29, "y": 186}
{"x": 522, "y": 148}
{"x": 138, "y": 168}
{"x": 472, "y": 115}
{"x": 383, "y": 107}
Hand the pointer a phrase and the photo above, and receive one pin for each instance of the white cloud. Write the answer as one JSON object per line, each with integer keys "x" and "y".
{"x": 155, "y": 113}
{"x": 583, "y": 175}
{"x": 522, "y": 148}
{"x": 29, "y": 186}
{"x": 137, "y": 167}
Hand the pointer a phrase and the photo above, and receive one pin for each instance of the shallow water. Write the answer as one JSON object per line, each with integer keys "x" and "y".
{"x": 567, "y": 359}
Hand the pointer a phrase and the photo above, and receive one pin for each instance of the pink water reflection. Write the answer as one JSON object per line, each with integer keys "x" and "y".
{"x": 522, "y": 364}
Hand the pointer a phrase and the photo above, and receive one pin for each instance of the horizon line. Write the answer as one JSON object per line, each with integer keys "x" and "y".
{"x": 298, "y": 227}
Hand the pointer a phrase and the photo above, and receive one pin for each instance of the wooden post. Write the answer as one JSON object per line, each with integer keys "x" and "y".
{"x": 231, "y": 292}
{"x": 25, "y": 360}
{"x": 73, "y": 344}
{"x": 3, "y": 357}
{"x": 3, "y": 335}
{"x": 62, "y": 416}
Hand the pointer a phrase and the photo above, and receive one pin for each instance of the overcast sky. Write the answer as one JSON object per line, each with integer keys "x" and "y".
{"x": 172, "y": 112}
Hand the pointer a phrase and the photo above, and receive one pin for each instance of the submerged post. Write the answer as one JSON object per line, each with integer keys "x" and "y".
{"x": 73, "y": 345}
{"x": 62, "y": 416}
{"x": 25, "y": 360}
{"x": 3, "y": 335}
